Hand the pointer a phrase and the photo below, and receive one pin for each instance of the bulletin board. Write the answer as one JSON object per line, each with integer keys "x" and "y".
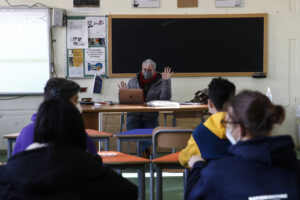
{"x": 86, "y": 39}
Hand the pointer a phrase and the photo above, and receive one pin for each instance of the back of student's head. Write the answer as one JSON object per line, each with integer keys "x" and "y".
{"x": 255, "y": 113}
{"x": 59, "y": 122}
{"x": 60, "y": 88}
{"x": 220, "y": 91}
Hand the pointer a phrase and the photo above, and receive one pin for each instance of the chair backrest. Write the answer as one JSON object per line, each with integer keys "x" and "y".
{"x": 170, "y": 137}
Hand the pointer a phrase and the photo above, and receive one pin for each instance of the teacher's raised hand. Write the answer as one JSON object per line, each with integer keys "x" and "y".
{"x": 167, "y": 73}
{"x": 122, "y": 84}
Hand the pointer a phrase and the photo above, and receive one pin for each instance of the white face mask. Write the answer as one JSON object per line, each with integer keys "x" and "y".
{"x": 78, "y": 106}
{"x": 229, "y": 135}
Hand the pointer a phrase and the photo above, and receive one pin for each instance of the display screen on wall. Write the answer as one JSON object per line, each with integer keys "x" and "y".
{"x": 24, "y": 50}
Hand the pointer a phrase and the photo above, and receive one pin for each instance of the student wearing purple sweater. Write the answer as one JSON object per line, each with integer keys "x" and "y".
{"x": 55, "y": 88}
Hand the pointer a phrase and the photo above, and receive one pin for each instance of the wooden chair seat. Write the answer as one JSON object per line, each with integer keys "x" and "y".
{"x": 122, "y": 158}
{"x": 95, "y": 133}
{"x": 170, "y": 158}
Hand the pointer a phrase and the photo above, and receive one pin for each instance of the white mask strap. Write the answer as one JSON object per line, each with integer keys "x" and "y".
{"x": 78, "y": 106}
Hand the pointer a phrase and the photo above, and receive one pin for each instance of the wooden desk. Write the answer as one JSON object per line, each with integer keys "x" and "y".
{"x": 11, "y": 138}
{"x": 91, "y": 118}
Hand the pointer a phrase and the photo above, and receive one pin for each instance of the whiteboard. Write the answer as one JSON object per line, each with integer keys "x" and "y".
{"x": 24, "y": 50}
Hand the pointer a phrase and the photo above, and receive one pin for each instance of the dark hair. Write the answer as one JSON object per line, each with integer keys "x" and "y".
{"x": 220, "y": 91}
{"x": 60, "y": 88}
{"x": 59, "y": 122}
{"x": 255, "y": 113}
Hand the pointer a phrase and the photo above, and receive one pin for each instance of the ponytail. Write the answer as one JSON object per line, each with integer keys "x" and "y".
{"x": 256, "y": 113}
{"x": 276, "y": 114}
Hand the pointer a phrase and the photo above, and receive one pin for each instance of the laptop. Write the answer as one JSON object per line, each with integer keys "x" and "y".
{"x": 131, "y": 96}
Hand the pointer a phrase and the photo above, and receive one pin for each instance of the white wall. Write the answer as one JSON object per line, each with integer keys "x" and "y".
{"x": 283, "y": 59}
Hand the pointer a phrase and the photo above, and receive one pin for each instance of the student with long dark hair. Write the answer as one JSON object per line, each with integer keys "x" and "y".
{"x": 57, "y": 166}
{"x": 262, "y": 166}
{"x": 59, "y": 88}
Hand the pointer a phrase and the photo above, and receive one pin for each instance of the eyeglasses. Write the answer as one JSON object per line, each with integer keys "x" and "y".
{"x": 225, "y": 122}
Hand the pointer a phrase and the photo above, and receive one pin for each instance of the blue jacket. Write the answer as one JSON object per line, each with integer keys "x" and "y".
{"x": 261, "y": 168}
{"x": 26, "y": 138}
{"x": 208, "y": 140}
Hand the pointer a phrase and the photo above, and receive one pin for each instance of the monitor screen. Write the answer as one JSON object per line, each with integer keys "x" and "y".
{"x": 24, "y": 50}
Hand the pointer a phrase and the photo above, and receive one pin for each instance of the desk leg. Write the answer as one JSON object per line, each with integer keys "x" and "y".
{"x": 106, "y": 144}
{"x": 9, "y": 148}
{"x": 158, "y": 183}
{"x": 174, "y": 122}
{"x": 138, "y": 148}
{"x": 119, "y": 145}
{"x": 185, "y": 175}
{"x": 151, "y": 180}
{"x": 141, "y": 182}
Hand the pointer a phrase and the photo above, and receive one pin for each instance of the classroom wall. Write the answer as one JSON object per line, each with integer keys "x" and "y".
{"x": 283, "y": 59}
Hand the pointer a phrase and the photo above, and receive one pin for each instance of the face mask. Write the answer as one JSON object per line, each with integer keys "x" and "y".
{"x": 229, "y": 135}
{"x": 78, "y": 106}
{"x": 147, "y": 75}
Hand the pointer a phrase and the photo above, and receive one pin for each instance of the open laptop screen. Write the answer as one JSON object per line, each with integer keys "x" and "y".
{"x": 131, "y": 96}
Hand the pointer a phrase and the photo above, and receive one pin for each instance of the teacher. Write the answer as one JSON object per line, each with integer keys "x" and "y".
{"x": 156, "y": 86}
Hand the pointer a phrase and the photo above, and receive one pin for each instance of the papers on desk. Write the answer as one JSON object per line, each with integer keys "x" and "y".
{"x": 107, "y": 154}
{"x": 189, "y": 103}
{"x": 168, "y": 104}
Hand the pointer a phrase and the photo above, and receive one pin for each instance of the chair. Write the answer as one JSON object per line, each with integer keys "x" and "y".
{"x": 99, "y": 136}
{"x": 167, "y": 137}
{"x": 122, "y": 122}
{"x": 136, "y": 135}
{"x": 189, "y": 114}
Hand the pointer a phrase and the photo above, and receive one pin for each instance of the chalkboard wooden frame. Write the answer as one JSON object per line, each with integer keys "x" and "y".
{"x": 194, "y": 74}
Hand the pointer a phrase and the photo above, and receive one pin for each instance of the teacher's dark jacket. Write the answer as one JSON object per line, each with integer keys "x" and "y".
{"x": 60, "y": 173}
{"x": 261, "y": 168}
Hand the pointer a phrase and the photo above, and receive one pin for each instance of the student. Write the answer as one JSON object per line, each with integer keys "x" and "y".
{"x": 55, "y": 88}
{"x": 56, "y": 165}
{"x": 208, "y": 139}
{"x": 262, "y": 166}
{"x": 156, "y": 86}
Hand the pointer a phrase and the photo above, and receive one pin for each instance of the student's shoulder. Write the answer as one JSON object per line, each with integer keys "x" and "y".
{"x": 27, "y": 130}
{"x": 200, "y": 128}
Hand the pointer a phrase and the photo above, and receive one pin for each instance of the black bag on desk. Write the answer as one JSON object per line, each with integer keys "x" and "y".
{"x": 201, "y": 96}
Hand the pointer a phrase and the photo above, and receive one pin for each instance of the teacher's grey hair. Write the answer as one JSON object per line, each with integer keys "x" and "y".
{"x": 149, "y": 62}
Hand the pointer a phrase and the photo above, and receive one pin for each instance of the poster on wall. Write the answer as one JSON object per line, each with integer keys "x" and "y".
{"x": 95, "y": 61}
{"x": 77, "y": 34}
{"x": 229, "y": 3}
{"x": 145, "y": 3}
{"x": 96, "y": 27}
{"x": 187, "y": 3}
{"x": 75, "y": 61}
{"x": 88, "y": 59}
